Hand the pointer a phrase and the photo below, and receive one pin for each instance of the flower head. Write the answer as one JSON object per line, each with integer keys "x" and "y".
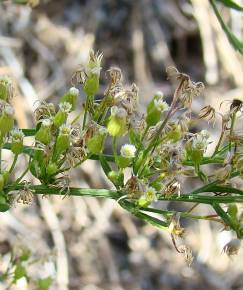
{"x": 74, "y": 91}
{"x": 17, "y": 135}
{"x": 161, "y": 105}
{"x": 65, "y": 107}
{"x": 128, "y": 151}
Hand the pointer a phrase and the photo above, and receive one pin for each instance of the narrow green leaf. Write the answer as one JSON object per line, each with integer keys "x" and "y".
{"x": 231, "y": 4}
{"x": 236, "y": 43}
{"x": 29, "y": 132}
{"x": 105, "y": 165}
{"x": 225, "y": 217}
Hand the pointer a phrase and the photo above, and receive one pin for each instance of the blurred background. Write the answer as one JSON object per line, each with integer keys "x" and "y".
{"x": 93, "y": 244}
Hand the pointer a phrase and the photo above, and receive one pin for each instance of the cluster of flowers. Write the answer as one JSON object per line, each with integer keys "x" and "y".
{"x": 160, "y": 148}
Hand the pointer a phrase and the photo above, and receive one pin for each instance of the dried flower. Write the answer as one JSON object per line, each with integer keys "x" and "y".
{"x": 134, "y": 188}
{"x": 187, "y": 254}
{"x": 175, "y": 228}
{"x": 44, "y": 111}
{"x": 223, "y": 173}
{"x": 76, "y": 155}
{"x": 172, "y": 188}
{"x": 207, "y": 113}
{"x": 232, "y": 247}
{"x": 25, "y": 195}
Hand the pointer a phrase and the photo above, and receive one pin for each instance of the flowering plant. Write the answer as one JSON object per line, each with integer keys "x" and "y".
{"x": 160, "y": 151}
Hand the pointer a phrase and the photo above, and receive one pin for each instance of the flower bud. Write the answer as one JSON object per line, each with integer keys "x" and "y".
{"x": 1, "y": 182}
{"x": 4, "y": 205}
{"x": 62, "y": 142}
{"x": 6, "y": 89}
{"x": 117, "y": 178}
{"x": 93, "y": 68}
{"x": 44, "y": 135}
{"x": 61, "y": 116}
{"x": 155, "y": 108}
{"x": 174, "y": 133}
{"x": 51, "y": 168}
{"x": 117, "y": 124}
{"x": 6, "y": 120}
{"x": 17, "y": 141}
{"x": 71, "y": 97}
{"x": 95, "y": 145}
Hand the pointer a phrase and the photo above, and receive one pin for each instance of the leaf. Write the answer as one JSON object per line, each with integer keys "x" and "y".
{"x": 44, "y": 284}
{"x": 105, "y": 165}
{"x": 236, "y": 43}
{"x": 231, "y": 4}
{"x": 225, "y": 217}
{"x": 134, "y": 138}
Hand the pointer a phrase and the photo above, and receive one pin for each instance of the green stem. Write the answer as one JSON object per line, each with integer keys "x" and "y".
{"x": 87, "y": 103}
{"x": 13, "y": 163}
{"x": 114, "y": 148}
{"x": 233, "y": 119}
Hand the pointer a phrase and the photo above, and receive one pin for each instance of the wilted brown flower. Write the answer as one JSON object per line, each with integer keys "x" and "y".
{"x": 186, "y": 250}
{"x": 207, "y": 113}
{"x": 232, "y": 247}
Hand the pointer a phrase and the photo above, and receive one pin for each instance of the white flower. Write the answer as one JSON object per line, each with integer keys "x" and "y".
{"x": 9, "y": 110}
{"x": 161, "y": 105}
{"x": 205, "y": 134}
{"x": 46, "y": 122}
{"x": 150, "y": 194}
{"x": 74, "y": 91}
{"x": 65, "y": 107}
{"x": 17, "y": 135}
{"x": 65, "y": 130}
{"x": 103, "y": 130}
{"x": 159, "y": 94}
{"x": 128, "y": 151}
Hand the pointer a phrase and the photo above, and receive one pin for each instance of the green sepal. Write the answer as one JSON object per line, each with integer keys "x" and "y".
{"x": 116, "y": 177}
{"x": 6, "y": 123}
{"x": 95, "y": 144}
{"x": 17, "y": 147}
{"x": 116, "y": 127}
{"x": 91, "y": 85}
{"x": 123, "y": 162}
{"x": 70, "y": 98}
{"x": 60, "y": 118}
{"x": 44, "y": 135}
{"x": 4, "y": 205}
